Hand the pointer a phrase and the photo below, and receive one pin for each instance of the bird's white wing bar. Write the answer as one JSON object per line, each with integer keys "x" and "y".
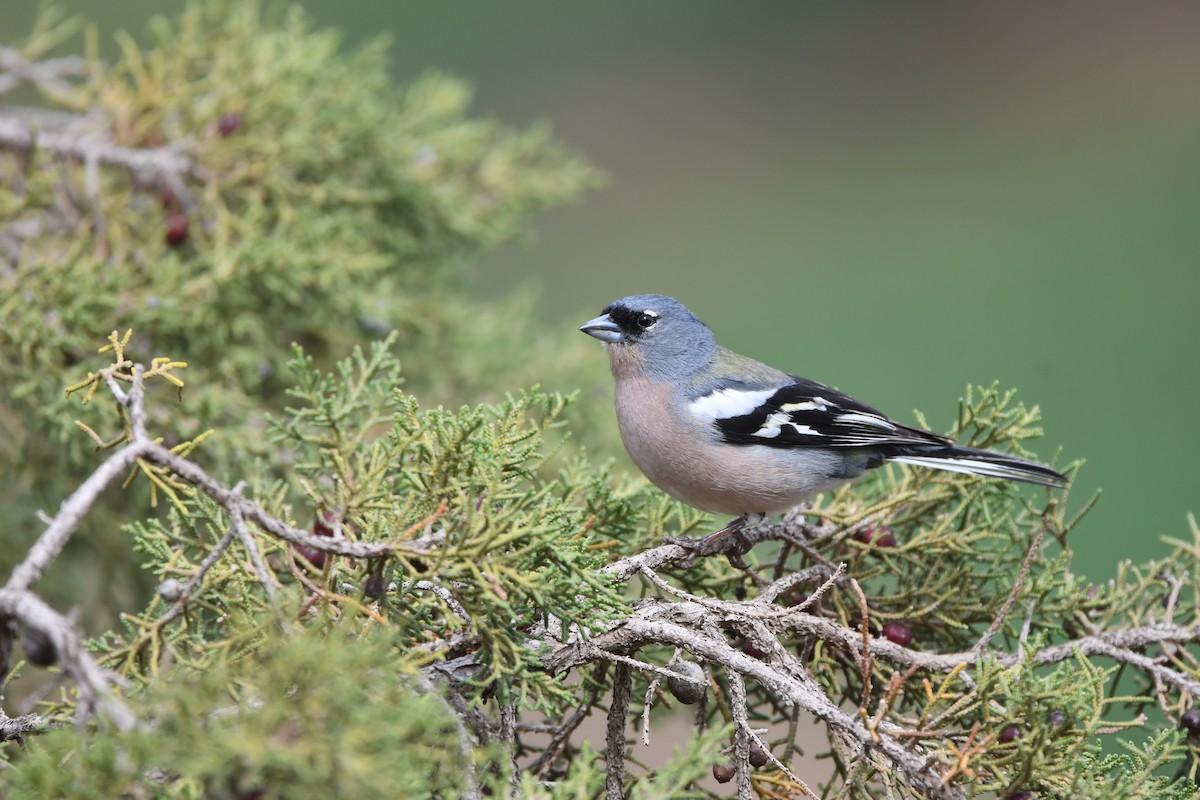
{"x": 815, "y": 404}
{"x": 774, "y": 424}
{"x": 726, "y": 403}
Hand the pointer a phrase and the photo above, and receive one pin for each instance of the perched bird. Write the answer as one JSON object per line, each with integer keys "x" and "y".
{"x": 731, "y": 435}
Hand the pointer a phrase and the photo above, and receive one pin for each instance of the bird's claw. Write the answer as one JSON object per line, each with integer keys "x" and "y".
{"x": 728, "y": 541}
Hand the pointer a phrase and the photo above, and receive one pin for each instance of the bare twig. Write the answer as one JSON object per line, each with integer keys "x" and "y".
{"x": 72, "y": 511}
{"x": 190, "y": 473}
{"x": 614, "y": 754}
{"x": 806, "y": 575}
{"x": 741, "y": 734}
{"x": 1026, "y": 565}
{"x": 16, "y": 727}
{"x": 49, "y": 75}
{"x": 94, "y": 691}
{"x": 683, "y": 624}
{"x": 445, "y": 594}
{"x": 238, "y": 524}
{"x": 156, "y": 162}
{"x": 197, "y": 578}
{"x": 865, "y": 662}
{"x": 647, "y": 704}
{"x": 466, "y": 742}
{"x": 1023, "y": 637}
{"x": 672, "y": 553}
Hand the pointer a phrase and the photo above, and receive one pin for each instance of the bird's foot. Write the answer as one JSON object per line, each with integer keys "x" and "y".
{"x": 729, "y": 540}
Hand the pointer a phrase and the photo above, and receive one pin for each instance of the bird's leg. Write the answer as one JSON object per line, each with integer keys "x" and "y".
{"x": 717, "y": 542}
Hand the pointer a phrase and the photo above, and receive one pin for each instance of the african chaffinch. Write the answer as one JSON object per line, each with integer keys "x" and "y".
{"x": 730, "y": 435}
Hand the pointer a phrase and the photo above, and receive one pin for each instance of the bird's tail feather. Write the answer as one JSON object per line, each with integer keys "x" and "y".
{"x": 984, "y": 462}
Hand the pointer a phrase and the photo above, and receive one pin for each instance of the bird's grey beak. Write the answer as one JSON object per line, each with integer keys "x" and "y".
{"x": 603, "y": 328}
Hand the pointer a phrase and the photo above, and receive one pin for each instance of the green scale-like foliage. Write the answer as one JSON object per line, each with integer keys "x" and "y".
{"x": 240, "y": 674}
{"x": 339, "y": 207}
{"x": 331, "y": 715}
{"x": 514, "y": 546}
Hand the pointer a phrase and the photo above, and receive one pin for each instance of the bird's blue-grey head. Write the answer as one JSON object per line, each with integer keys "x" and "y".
{"x": 667, "y": 339}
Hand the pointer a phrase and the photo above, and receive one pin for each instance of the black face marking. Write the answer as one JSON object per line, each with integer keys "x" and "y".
{"x": 631, "y": 322}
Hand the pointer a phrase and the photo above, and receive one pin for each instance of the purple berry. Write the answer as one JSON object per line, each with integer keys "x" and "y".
{"x": 312, "y": 555}
{"x": 324, "y": 524}
{"x": 758, "y": 756}
{"x": 228, "y": 124}
{"x": 880, "y": 537}
{"x": 1009, "y": 733}
{"x": 1190, "y": 721}
{"x": 898, "y": 633}
{"x": 723, "y": 772}
{"x": 1055, "y": 718}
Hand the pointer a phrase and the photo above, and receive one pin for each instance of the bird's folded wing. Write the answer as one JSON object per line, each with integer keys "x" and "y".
{"x": 802, "y": 414}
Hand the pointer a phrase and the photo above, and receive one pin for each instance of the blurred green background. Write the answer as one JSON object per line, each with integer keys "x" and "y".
{"x": 896, "y": 199}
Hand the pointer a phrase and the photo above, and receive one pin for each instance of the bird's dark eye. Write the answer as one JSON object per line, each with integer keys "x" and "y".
{"x": 645, "y": 320}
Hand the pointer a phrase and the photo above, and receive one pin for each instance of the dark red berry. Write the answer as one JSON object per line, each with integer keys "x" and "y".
{"x": 177, "y": 229}
{"x": 739, "y": 592}
{"x": 1055, "y": 718}
{"x": 880, "y": 537}
{"x": 1190, "y": 721}
{"x": 1009, "y": 733}
{"x": 1021, "y": 795}
{"x": 758, "y": 756}
{"x": 324, "y": 524}
{"x": 749, "y": 649}
{"x": 898, "y": 633}
{"x": 229, "y": 123}
{"x": 723, "y": 772}
{"x": 312, "y": 555}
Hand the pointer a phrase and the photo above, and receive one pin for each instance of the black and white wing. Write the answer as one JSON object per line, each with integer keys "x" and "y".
{"x": 805, "y": 413}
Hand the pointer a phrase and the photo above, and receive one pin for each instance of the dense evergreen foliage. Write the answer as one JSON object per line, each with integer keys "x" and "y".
{"x": 325, "y": 576}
